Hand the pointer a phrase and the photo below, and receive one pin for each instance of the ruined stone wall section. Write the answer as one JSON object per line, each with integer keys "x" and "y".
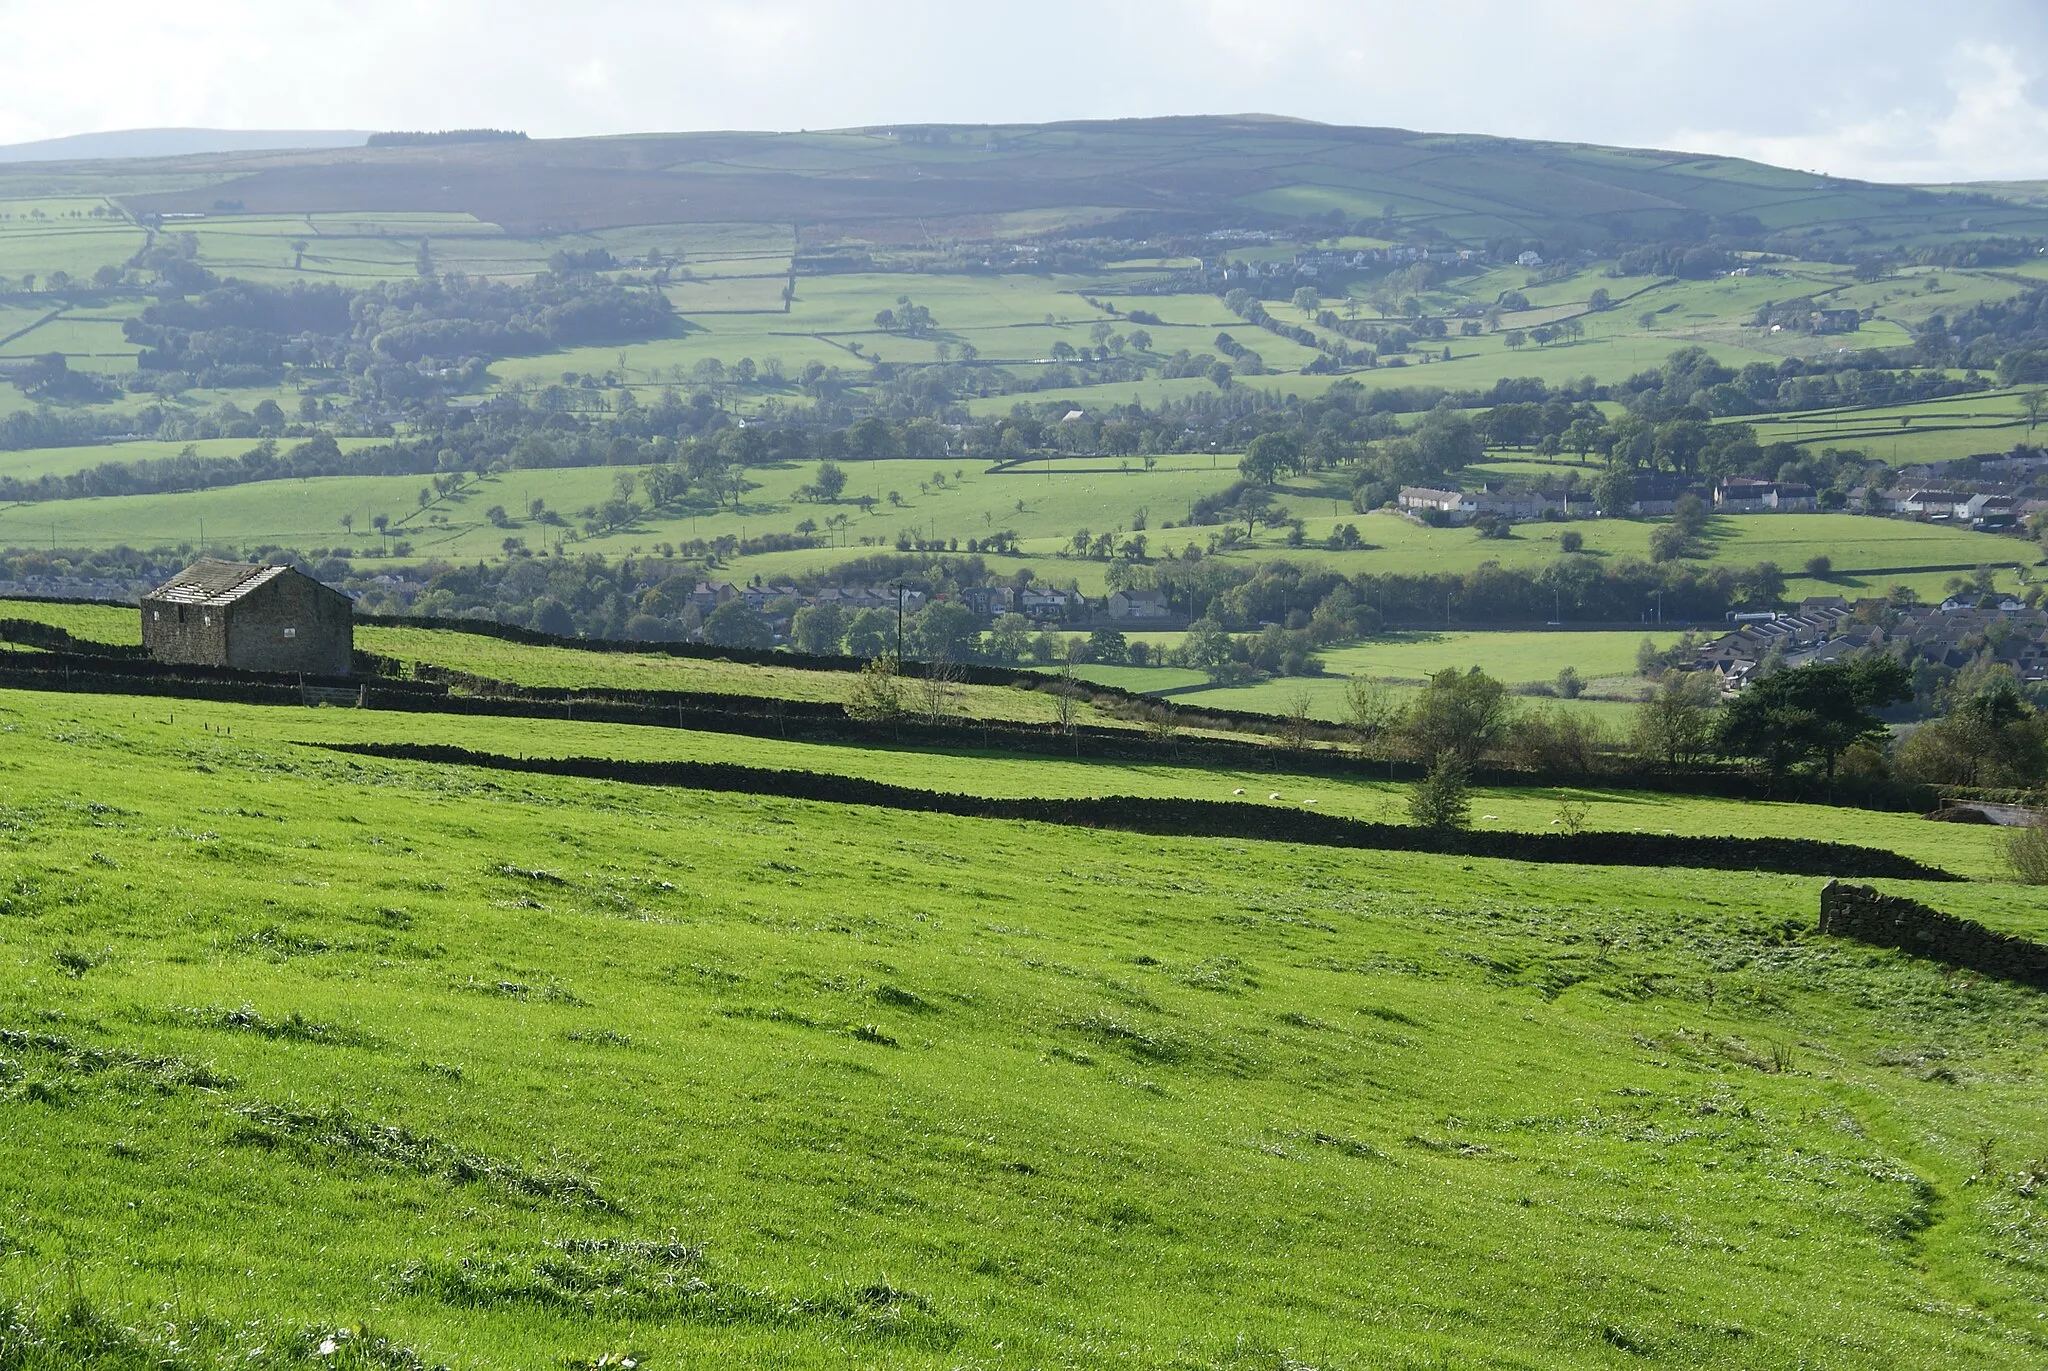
{"x": 1870, "y": 916}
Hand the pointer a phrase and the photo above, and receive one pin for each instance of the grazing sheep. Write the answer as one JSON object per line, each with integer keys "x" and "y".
{"x": 1274, "y": 796}
{"x": 1238, "y": 791}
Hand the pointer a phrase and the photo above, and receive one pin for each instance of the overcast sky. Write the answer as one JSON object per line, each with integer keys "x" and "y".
{"x": 1899, "y": 90}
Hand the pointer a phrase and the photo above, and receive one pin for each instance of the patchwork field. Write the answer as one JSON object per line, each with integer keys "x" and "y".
{"x": 1044, "y": 503}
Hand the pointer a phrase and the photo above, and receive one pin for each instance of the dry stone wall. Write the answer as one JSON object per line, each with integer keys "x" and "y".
{"x": 1871, "y": 916}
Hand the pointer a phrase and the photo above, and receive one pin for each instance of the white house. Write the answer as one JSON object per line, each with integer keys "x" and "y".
{"x": 1139, "y": 604}
{"x": 1453, "y": 506}
{"x": 1043, "y": 602}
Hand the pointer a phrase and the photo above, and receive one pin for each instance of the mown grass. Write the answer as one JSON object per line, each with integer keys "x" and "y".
{"x": 586, "y": 1070}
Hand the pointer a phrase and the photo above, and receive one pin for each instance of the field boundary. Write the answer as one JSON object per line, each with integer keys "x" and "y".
{"x": 1866, "y": 915}
{"x": 1188, "y": 818}
{"x": 67, "y": 664}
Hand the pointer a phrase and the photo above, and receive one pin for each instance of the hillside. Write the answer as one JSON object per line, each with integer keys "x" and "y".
{"x": 562, "y": 383}
{"x": 126, "y": 144}
{"x": 909, "y": 186}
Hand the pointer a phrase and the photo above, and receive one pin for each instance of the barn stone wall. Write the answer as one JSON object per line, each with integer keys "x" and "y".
{"x": 197, "y": 634}
{"x": 291, "y": 623}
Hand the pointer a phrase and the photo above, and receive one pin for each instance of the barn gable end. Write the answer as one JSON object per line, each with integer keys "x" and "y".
{"x": 251, "y": 618}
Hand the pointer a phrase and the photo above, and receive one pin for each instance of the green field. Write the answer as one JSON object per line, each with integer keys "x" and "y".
{"x": 972, "y": 504}
{"x": 1868, "y": 554}
{"x": 1606, "y": 661}
{"x": 28, "y": 463}
{"x": 703, "y": 1078}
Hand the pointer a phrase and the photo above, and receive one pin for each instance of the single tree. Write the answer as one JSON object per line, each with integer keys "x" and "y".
{"x": 1269, "y": 456}
{"x": 877, "y": 694}
{"x": 938, "y": 690}
{"x": 830, "y": 481}
{"x": 1811, "y": 713}
{"x": 1461, "y": 712}
{"x": 733, "y": 624}
{"x": 1370, "y": 712}
{"x": 1674, "y": 727}
{"x": 817, "y": 629}
{"x": 2033, "y": 405}
{"x": 1442, "y": 799}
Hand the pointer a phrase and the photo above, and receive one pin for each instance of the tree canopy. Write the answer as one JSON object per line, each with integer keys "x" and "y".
{"x": 1811, "y": 714}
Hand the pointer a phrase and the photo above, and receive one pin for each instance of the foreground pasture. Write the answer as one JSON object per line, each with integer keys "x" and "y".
{"x": 495, "y": 1070}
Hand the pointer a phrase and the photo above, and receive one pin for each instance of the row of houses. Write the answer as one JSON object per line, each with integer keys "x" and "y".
{"x": 1745, "y": 495}
{"x": 1653, "y": 496}
{"x": 1980, "y": 509}
{"x": 1827, "y": 629}
{"x": 1457, "y": 507}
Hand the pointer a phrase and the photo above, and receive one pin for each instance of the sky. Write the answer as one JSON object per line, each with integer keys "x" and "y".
{"x": 1890, "y": 90}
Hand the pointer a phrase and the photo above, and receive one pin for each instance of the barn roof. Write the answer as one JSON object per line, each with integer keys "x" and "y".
{"x": 212, "y": 582}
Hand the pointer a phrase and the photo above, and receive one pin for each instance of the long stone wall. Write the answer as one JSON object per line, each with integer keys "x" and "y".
{"x": 1871, "y": 916}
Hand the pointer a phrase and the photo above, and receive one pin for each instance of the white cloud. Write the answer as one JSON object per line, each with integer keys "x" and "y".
{"x": 1988, "y": 128}
{"x": 1841, "y": 84}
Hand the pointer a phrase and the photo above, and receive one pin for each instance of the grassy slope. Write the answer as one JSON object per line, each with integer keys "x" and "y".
{"x": 1164, "y": 1102}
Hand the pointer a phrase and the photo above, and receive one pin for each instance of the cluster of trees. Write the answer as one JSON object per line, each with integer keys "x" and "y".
{"x": 266, "y": 461}
{"x": 1248, "y": 307}
{"x": 2009, "y": 335}
{"x": 1803, "y": 720}
{"x": 909, "y": 319}
{"x": 50, "y": 377}
{"x": 238, "y": 333}
{"x": 1826, "y": 720}
{"x": 1691, "y": 379}
{"x": 1991, "y": 736}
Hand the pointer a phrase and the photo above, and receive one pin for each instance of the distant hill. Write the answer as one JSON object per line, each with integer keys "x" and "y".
{"x": 927, "y": 183}
{"x": 133, "y": 143}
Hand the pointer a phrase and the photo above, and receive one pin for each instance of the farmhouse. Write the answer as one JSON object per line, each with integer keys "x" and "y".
{"x": 1457, "y": 507}
{"x": 1446, "y": 506}
{"x": 252, "y": 618}
{"x": 1660, "y": 494}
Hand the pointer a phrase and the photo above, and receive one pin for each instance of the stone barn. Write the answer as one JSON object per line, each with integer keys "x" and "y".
{"x": 252, "y": 618}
